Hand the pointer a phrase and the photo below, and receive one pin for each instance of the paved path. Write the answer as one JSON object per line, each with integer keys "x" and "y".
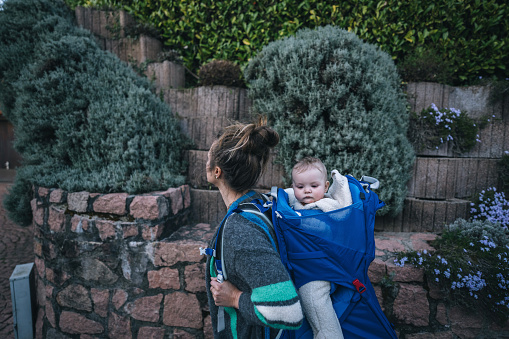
{"x": 16, "y": 247}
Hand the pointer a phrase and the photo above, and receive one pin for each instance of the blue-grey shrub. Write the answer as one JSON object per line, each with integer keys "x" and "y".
{"x": 83, "y": 120}
{"x": 332, "y": 96}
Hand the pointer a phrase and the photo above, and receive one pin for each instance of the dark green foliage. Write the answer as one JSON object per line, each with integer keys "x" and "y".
{"x": 469, "y": 265}
{"x": 332, "y": 96}
{"x": 83, "y": 119}
{"x": 426, "y": 65}
{"x": 503, "y": 174}
{"x": 433, "y": 127}
{"x": 220, "y": 72}
{"x": 41, "y": 17}
{"x": 472, "y": 36}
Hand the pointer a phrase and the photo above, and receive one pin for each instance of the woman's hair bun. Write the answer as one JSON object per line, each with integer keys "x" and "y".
{"x": 266, "y": 136}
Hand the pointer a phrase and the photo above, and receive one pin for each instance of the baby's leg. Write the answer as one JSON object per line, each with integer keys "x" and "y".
{"x": 318, "y": 310}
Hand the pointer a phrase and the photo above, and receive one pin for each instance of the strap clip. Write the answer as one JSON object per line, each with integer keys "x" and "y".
{"x": 359, "y": 286}
{"x": 208, "y": 251}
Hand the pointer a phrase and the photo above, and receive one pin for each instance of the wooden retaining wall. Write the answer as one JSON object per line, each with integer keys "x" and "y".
{"x": 442, "y": 181}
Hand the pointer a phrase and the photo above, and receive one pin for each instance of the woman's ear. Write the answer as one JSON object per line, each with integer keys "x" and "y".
{"x": 217, "y": 172}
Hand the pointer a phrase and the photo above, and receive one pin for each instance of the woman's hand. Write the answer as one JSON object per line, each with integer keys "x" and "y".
{"x": 225, "y": 293}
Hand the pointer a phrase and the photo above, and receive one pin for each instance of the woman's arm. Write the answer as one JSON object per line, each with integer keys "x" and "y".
{"x": 268, "y": 295}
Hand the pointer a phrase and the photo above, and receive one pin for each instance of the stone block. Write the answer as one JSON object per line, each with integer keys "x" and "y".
{"x": 208, "y": 333}
{"x": 75, "y": 296}
{"x": 441, "y": 316}
{"x": 37, "y": 212}
{"x": 145, "y": 308}
{"x": 78, "y": 201}
{"x": 106, "y": 228}
{"x": 100, "y": 298}
{"x": 181, "y": 334}
{"x": 179, "y": 198}
{"x": 391, "y": 245}
{"x": 411, "y": 305}
{"x": 194, "y": 277}
{"x": 94, "y": 270}
{"x": 79, "y": 224}
{"x": 114, "y": 203}
{"x": 129, "y": 230}
{"x": 57, "y": 196}
{"x": 41, "y": 266}
{"x": 406, "y": 273}
{"x": 170, "y": 253}
{"x": 151, "y": 232}
{"x": 149, "y": 207}
{"x": 182, "y": 310}
{"x": 119, "y": 298}
{"x": 465, "y": 324}
{"x": 377, "y": 270}
{"x": 75, "y": 323}
{"x": 56, "y": 219}
{"x": 119, "y": 326}
{"x": 151, "y": 333}
{"x": 50, "y": 313}
{"x": 164, "y": 278}
{"x": 42, "y": 192}
{"x": 379, "y": 296}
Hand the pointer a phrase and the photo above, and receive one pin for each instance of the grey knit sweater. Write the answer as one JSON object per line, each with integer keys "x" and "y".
{"x": 268, "y": 295}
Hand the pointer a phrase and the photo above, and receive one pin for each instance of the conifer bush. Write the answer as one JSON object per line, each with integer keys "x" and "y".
{"x": 83, "y": 120}
{"x": 332, "y": 96}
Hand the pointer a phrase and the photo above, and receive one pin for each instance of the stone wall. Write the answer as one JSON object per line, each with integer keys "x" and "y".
{"x": 119, "y": 265}
{"x": 414, "y": 304}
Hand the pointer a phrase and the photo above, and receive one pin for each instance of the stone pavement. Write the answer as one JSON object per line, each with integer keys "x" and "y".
{"x": 16, "y": 247}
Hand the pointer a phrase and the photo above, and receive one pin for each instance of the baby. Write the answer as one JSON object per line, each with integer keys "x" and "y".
{"x": 309, "y": 191}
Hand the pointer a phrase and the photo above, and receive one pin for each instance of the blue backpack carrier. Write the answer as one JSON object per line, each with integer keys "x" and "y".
{"x": 336, "y": 246}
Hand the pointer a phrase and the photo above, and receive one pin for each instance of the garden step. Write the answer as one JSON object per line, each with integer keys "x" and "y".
{"x": 203, "y": 130}
{"x": 472, "y": 99}
{"x": 108, "y": 27}
{"x": 421, "y": 215}
{"x": 197, "y": 178}
{"x": 494, "y": 143}
{"x": 166, "y": 75}
{"x": 133, "y": 51}
{"x": 209, "y": 101}
{"x": 106, "y": 24}
{"x": 207, "y": 206}
{"x": 447, "y": 178}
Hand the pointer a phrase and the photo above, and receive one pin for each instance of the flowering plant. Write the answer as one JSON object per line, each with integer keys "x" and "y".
{"x": 433, "y": 127}
{"x": 492, "y": 206}
{"x": 470, "y": 264}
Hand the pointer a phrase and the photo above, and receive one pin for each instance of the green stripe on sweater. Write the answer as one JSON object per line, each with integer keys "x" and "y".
{"x": 281, "y": 291}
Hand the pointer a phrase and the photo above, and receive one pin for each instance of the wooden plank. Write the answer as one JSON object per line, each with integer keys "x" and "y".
{"x": 432, "y": 179}
{"x": 420, "y": 177}
{"x": 439, "y": 218}
{"x": 428, "y": 216}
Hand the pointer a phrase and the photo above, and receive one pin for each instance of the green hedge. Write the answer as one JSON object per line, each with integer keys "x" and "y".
{"x": 83, "y": 120}
{"x": 332, "y": 96}
{"x": 472, "y": 36}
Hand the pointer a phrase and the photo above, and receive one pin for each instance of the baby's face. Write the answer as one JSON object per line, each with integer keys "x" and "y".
{"x": 309, "y": 186}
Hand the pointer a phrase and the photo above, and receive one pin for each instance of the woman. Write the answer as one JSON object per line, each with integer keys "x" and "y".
{"x": 258, "y": 298}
